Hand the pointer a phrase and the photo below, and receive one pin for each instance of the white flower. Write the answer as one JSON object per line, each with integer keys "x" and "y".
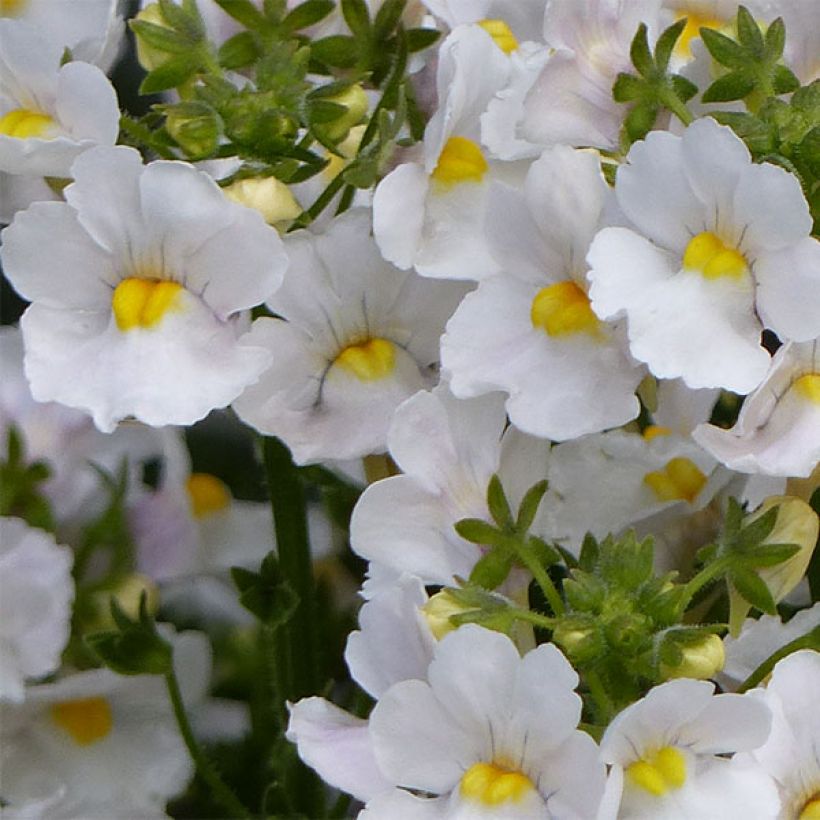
{"x": 489, "y": 734}
{"x": 91, "y": 29}
{"x": 791, "y": 755}
{"x": 95, "y": 739}
{"x": 448, "y": 450}
{"x": 156, "y": 266}
{"x": 664, "y": 752}
{"x": 523, "y": 17}
{"x": 431, "y": 216}
{"x": 356, "y": 337}
{"x": 19, "y": 191}
{"x": 571, "y": 101}
{"x": 722, "y": 251}
{"x": 36, "y": 591}
{"x": 530, "y": 331}
{"x": 49, "y": 114}
{"x": 778, "y": 430}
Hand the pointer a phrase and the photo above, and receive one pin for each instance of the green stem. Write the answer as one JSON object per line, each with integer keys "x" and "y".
{"x": 809, "y": 641}
{"x": 602, "y": 701}
{"x": 534, "y": 618}
{"x": 541, "y": 576}
{"x": 671, "y": 100}
{"x": 705, "y": 576}
{"x": 221, "y": 791}
{"x": 299, "y": 635}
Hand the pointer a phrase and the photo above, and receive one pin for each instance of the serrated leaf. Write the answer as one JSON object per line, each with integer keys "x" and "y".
{"x": 640, "y": 119}
{"x": 732, "y": 86}
{"x": 748, "y": 33}
{"x": 492, "y": 569}
{"x": 754, "y": 590}
{"x": 725, "y": 50}
{"x": 238, "y": 51}
{"x": 338, "y": 51}
{"x": 420, "y": 38}
{"x": 775, "y": 40}
{"x": 528, "y": 508}
{"x": 307, "y": 14}
{"x": 784, "y": 80}
{"x": 357, "y": 17}
{"x": 477, "y": 531}
{"x": 160, "y": 37}
{"x": 245, "y": 12}
{"x": 640, "y": 54}
{"x": 666, "y": 44}
{"x": 628, "y": 88}
{"x": 171, "y": 74}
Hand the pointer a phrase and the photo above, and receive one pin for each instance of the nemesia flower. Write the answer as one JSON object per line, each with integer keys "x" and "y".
{"x": 571, "y": 101}
{"x": 355, "y": 337}
{"x": 522, "y": 17}
{"x": 431, "y": 216}
{"x": 722, "y": 251}
{"x": 71, "y": 742}
{"x": 19, "y": 191}
{"x": 665, "y": 752}
{"x": 156, "y": 268}
{"x": 49, "y": 114}
{"x": 778, "y": 429}
{"x": 92, "y": 29}
{"x": 36, "y": 591}
{"x": 790, "y": 754}
{"x": 488, "y": 734}
{"x": 448, "y": 450}
{"x": 567, "y": 373}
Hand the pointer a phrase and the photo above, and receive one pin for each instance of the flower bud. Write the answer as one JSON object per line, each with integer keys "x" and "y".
{"x": 437, "y": 612}
{"x": 797, "y": 523}
{"x": 127, "y": 594}
{"x": 150, "y": 57}
{"x": 195, "y": 126}
{"x": 268, "y": 195}
{"x": 700, "y": 660}
{"x": 355, "y": 101}
{"x": 580, "y": 640}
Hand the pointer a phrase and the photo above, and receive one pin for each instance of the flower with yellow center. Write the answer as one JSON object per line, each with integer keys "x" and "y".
{"x": 709, "y": 261}
{"x": 491, "y": 785}
{"x": 22, "y": 123}
{"x": 87, "y": 720}
{"x": 461, "y": 160}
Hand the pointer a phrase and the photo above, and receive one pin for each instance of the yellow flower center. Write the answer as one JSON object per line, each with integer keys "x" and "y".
{"x": 11, "y": 8}
{"x": 811, "y": 811}
{"x": 694, "y": 23}
{"x": 679, "y": 480}
{"x": 501, "y": 33}
{"x": 808, "y": 387}
{"x": 460, "y": 160}
{"x": 87, "y": 720}
{"x": 660, "y": 772}
{"x": 208, "y": 494}
{"x": 370, "y": 360}
{"x": 707, "y": 254}
{"x": 23, "y": 123}
{"x": 562, "y": 309}
{"x": 143, "y": 302}
{"x": 493, "y": 785}
{"x": 655, "y": 430}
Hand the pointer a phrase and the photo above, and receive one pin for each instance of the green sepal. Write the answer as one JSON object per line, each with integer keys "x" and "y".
{"x": 266, "y": 594}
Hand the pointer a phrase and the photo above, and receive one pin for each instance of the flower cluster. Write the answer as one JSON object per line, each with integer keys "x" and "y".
{"x": 501, "y": 316}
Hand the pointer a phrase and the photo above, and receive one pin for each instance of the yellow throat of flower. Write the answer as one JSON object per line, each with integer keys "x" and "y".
{"x": 142, "y": 303}
{"x": 563, "y": 309}
{"x": 659, "y": 773}
{"x": 87, "y": 720}
{"x": 501, "y": 33}
{"x": 208, "y": 494}
{"x": 708, "y": 255}
{"x": 12, "y": 8}
{"x": 808, "y": 387}
{"x": 460, "y": 160}
{"x": 694, "y": 23}
{"x": 680, "y": 480}
{"x": 493, "y": 785}
{"x": 811, "y": 810}
{"x": 369, "y": 361}
{"x": 23, "y": 123}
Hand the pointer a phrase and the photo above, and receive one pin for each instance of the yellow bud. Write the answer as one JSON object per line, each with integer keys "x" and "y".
{"x": 797, "y": 523}
{"x": 150, "y": 57}
{"x": 700, "y": 661}
{"x": 268, "y": 195}
{"x": 437, "y": 612}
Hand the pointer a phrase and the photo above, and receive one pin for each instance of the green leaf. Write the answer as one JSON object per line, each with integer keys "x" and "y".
{"x": 161, "y": 37}
{"x": 775, "y": 40}
{"x": 725, "y": 50}
{"x": 685, "y": 89}
{"x": 756, "y": 531}
{"x": 588, "y": 558}
{"x": 238, "y": 51}
{"x": 307, "y": 14}
{"x": 338, "y": 51}
{"x": 732, "y": 86}
{"x": 807, "y": 151}
{"x": 387, "y": 18}
{"x": 666, "y": 44}
{"x": 181, "y": 19}
{"x": 171, "y": 74}
{"x": 477, "y": 531}
{"x": 748, "y": 32}
{"x": 245, "y": 12}
{"x": 754, "y": 590}
{"x": 640, "y": 119}
{"x": 640, "y": 54}
{"x": 497, "y": 503}
{"x": 528, "y": 508}
{"x": 420, "y": 38}
{"x": 769, "y": 555}
{"x": 320, "y": 111}
{"x": 628, "y": 88}
{"x": 492, "y": 569}
{"x": 357, "y": 17}
{"x": 783, "y": 80}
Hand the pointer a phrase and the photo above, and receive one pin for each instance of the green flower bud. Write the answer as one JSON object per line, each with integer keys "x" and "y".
{"x": 195, "y": 126}
{"x": 580, "y": 640}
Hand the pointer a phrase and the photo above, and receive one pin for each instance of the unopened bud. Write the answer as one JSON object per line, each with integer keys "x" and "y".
{"x": 355, "y": 101}
{"x": 700, "y": 660}
{"x": 581, "y": 642}
{"x": 150, "y": 57}
{"x": 127, "y": 594}
{"x": 195, "y": 126}
{"x": 438, "y": 610}
{"x": 268, "y": 195}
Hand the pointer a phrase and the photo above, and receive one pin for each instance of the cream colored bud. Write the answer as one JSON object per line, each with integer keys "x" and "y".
{"x": 700, "y": 661}
{"x": 437, "y": 612}
{"x": 268, "y": 195}
{"x": 348, "y": 148}
{"x": 127, "y": 594}
{"x": 355, "y": 101}
{"x": 797, "y": 523}
{"x": 150, "y": 57}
